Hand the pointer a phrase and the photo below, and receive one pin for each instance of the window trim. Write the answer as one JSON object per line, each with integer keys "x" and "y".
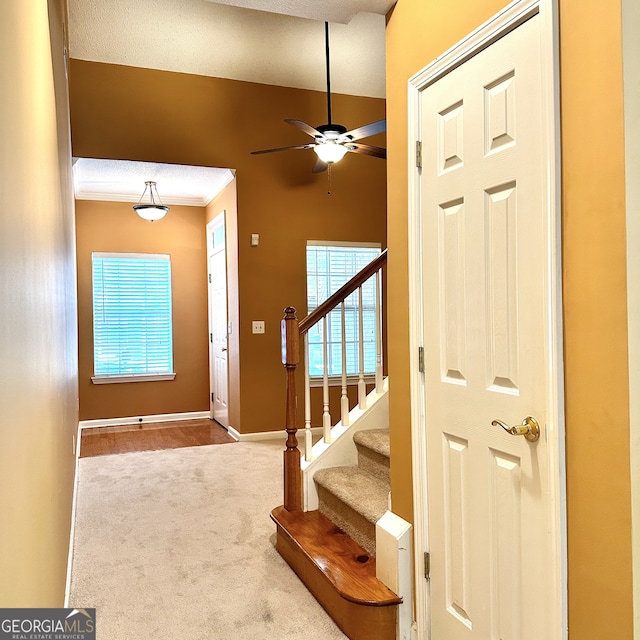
{"x": 109, "y": 378}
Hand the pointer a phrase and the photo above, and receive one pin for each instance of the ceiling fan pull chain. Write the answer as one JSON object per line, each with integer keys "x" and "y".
{"x": 329, "y": 178}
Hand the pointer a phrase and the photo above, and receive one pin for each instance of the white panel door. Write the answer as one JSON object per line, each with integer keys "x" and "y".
{"x": 218, "y": 328}
{"x": 486, "y": 346}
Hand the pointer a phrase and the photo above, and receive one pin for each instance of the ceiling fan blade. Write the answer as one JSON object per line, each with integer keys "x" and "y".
{"x": 367, "y": 150}
{"x": 319, "y": 166}
{"x": 365, "y": 131}
{"x": 303, "y": 126}
{"x": 299, "y": 146}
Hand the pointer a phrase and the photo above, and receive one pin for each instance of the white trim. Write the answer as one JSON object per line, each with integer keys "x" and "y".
{"x": 336, "y": 381}
{"x": 268, "y": 435}
{"x": 72, "y": 530}
{"x": 502, "y": 23}
{"x": 416, "y": 378}
{"x": 160, "y": 417}
{"x": 162, "y": 257}
{"x": 343, "y": 243}
{"x": 394, "y": 566}
{"x": 114, "y": 378}
{"x": 484, "y": 36}
{"x": 631, "y": 70}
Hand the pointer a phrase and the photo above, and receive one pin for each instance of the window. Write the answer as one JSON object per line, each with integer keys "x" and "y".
{"x": 329, "y": 266}
{"x": 132, "y": 332}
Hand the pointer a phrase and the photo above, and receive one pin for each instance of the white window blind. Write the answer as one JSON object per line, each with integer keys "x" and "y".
{"x": 329, "y": 266}
{"x": 132, "y": 329}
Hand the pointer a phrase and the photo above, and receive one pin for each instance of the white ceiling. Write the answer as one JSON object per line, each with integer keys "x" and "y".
{"x": 123, "y": 181}
{"x": 278, "y": 42}
{"x": 218, "y": 40}
{"x": 326, "y": 10}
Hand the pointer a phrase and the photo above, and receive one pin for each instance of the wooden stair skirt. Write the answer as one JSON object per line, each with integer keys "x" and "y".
{"x": 338, "y": 572}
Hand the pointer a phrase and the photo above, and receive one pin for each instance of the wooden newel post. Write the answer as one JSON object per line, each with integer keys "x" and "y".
{"x": 290, "y": 359}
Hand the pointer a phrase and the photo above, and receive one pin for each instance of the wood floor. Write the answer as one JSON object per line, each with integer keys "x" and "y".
{"x": 151, "y": 436}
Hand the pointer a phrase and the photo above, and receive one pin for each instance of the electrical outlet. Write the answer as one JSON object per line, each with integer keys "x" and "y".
{"x": 257, "y": 326}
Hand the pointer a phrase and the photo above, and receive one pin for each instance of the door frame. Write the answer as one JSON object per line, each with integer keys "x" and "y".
{"x": 631, "y": 67}
{"x": 219, "y": 220}
{"x": 503, "y": 22}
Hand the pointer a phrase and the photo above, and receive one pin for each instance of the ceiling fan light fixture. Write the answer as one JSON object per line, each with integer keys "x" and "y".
{"x": 154, "y": 209}
{"x": 330, "y": 152}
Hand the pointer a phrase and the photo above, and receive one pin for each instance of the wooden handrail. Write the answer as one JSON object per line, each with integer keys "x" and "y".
{"x": 345, "y": 290}
{"x": 292, "y": 331}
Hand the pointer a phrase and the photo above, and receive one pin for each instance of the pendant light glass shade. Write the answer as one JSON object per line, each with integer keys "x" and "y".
{"x": 330, "y": 152}
{"x": 153, "y": 209}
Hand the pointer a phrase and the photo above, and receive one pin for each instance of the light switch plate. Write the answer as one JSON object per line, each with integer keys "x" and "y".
{"x": 257, "y": 326}
{"x": 255, "y": 239}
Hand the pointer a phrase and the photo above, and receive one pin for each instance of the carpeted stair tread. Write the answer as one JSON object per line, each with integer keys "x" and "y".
{"x": 375, "y": 439}
{"x": 340, "y": 559}
{"x": 359, "y": 490}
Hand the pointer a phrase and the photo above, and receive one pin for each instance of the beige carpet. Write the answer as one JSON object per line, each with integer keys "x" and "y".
{"x": 178, "y": 544}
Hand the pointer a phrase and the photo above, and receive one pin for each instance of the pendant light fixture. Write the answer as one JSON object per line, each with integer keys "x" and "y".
{"x": 153, "y": 209}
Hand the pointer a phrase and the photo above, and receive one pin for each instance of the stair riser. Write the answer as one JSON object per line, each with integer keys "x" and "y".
{"x": 351, "y": 522}
{"x": 374, "y": 463}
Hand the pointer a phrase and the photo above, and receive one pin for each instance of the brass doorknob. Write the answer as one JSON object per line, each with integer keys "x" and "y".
{"x": 530, "y": 428}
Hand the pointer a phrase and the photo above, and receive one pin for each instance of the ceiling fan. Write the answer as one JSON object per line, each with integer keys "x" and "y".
{"x": 332, "y": 141}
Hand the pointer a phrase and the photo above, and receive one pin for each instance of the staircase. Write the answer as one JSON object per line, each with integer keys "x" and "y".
{"x": 336, "y": 492}
{"x": 355, "y": 498}
{"x": 332, "y": 549}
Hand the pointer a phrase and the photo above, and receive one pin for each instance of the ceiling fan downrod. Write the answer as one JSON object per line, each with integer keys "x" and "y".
{"x": 326, "y": 48}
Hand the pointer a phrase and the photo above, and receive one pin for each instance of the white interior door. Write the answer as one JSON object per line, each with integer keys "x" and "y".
{"x": 218, "y": 321}
{"x": 485, "y": 248}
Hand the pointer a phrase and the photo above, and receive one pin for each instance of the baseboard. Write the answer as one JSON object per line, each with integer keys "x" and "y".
{"x": 268, "y": 435}
{"x": 72, "y": 531}
{"x": 162, "y": 417}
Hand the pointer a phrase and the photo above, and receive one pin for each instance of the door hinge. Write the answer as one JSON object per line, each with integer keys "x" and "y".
{"x": 211, "y": 337}
{"x": 427, "y": 564}
{"x": 419, "y": 154}
{"x": 209, "y": 278}
{"x": 421, "y": 359}
{"x": 212, "y": 398}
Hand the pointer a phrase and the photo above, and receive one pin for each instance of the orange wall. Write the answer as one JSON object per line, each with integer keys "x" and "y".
{"x": 141, "y": 114}
{"x": 113, "y": 226}
{"x": 38, "y": 361}
{"x": 595, "y": 321}
{"x": 593, "y": 219}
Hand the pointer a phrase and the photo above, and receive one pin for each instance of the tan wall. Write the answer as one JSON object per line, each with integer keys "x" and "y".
{"x": 593, "y": 281}
{"x": 113, "y": 226}
{"x": 595, "y": 321}
{"x": 125, "y": 112}
{"x": 38, "y": 357}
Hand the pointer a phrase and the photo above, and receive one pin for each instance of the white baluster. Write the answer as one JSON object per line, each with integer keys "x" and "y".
{"x": 378, "y": 331}
{"x": 308, "y": 441}
{"x": 344, "y": 399}
{"x": 326, "y": 416}
{"x": 362, "y": 387}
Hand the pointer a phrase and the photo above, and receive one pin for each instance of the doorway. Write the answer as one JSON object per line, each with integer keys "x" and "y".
{"x": 218, "y": 320}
